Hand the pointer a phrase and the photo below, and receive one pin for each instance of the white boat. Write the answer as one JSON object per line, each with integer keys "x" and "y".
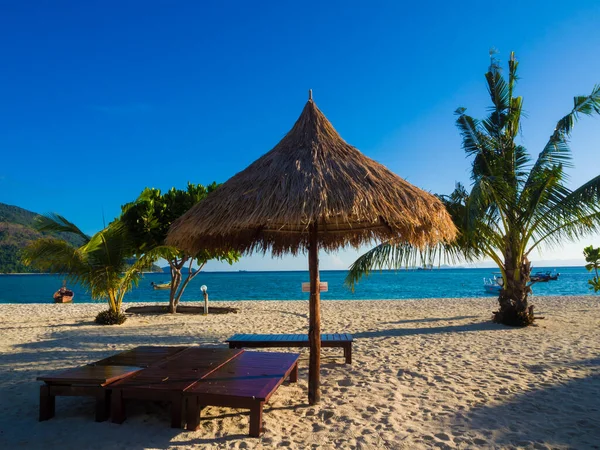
{"x": 161, "y": 285}
{"x": 493, "y": 285}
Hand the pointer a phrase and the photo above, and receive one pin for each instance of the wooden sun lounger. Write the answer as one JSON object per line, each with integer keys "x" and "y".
{"x": 166, "y": 381}
{"x": 342, "y": 340}
{"x": 91, "y": 380}
{"x": 179, "y": 375}
{"x": 247, "y": 382}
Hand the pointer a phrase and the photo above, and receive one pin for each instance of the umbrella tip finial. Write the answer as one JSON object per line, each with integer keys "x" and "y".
{"x": 310, "y": 94}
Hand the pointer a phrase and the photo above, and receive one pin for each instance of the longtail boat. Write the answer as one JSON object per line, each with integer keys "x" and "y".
{"x": 63, "y": 295}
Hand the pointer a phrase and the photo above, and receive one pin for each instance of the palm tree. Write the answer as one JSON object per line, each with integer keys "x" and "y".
{"x": 514, "y": 205}
{"x": 99, "y": 264}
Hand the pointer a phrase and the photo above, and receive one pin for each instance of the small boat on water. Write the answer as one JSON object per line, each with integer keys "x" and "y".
{"x": 544, "y": 276}
{"x": 63, "y": 295}
{"x": 161, "y": 285}
{"x": 493, "y": 285}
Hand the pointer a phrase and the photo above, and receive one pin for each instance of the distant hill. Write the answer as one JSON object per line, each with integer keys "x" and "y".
{"x": 154, "y": 268}
{"x": 16, "y": 231}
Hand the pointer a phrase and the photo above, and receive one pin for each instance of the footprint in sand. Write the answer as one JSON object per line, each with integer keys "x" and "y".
{"x": 345, "y": 382}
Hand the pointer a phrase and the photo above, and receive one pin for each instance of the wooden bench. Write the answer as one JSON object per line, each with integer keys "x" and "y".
{"x": 342, "y": 340}
{"x": 248, "y": 381}
{"x": 91, "y": 380}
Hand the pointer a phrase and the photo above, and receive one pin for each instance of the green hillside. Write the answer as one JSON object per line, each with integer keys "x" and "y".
{"x": 16, "y": 231}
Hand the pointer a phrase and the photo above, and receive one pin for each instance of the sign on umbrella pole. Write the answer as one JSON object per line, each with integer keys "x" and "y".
{"x": 323, "y": 287}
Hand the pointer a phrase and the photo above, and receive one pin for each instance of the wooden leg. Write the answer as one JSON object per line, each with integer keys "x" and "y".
{"x": 256, "y": 419}
{"x": 47, "y": 403}
{"x": 192, "y": 414}
{"x": 102, "y": 405}
{"x": 176, "y": 416}
{"x": 348, "y": 354}
{"x": 294, "y": 374}
{"x": 117, "y": 406}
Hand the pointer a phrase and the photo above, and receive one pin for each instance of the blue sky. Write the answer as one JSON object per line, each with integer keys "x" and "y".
{"x": 117, "y": 96}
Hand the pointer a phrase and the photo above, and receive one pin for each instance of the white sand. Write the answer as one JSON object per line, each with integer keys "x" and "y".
{"x": 426, "y": 374}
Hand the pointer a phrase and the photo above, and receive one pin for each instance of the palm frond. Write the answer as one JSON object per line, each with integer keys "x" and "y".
{"x": 513, "y": 64}
{"x": 52, "y": 222}
{"x": 564, "y": 206}
{"x": 499, "y": 91}
{"x": 473, "y": 140}
{"x": 110, "y": 247}
{"x": 572, "y": 230}
{"x": 385, "y": 255}
{"x": 556, "y": 150}
{"x": 56, "y": 256}
{"x": 587, "y": 194}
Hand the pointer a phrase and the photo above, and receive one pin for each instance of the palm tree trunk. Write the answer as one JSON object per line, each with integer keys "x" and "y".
{"x": 112, "y": 301}
{"x": 514, "y": 308}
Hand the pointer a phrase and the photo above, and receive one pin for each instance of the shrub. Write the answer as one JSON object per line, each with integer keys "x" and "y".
{"x": 110, "y": 318}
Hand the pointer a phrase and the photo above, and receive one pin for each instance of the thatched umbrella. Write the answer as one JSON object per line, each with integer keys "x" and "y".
{"x": 312, "y": 191}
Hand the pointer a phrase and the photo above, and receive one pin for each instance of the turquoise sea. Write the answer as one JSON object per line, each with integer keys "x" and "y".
{"x": 401, "y": 284}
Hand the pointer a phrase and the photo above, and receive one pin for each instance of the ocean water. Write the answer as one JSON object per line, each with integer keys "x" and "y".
{"x": 401, "y": 284}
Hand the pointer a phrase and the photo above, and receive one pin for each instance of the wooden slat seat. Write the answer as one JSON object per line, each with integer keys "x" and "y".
{"x": 248, "y": 381}
{"x": 142, "y": 356}
{"x": 90, "y": 375}
{"x": 343, "y": 340}
{"x": 167, "y": 380}
{"x": 91, "y": 380}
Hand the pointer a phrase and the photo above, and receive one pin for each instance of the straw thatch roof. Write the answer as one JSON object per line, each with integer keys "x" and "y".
{"x": 312, "y": 175}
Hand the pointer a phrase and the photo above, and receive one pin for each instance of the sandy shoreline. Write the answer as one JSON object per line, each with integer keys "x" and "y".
{"x": 426, "y": 374}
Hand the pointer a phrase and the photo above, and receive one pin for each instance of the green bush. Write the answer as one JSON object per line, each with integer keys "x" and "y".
{"x": 110, "y": 318}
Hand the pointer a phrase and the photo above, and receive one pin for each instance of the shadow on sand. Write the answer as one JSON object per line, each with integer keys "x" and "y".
{"x": 555, "y": 414}
{"x": 397, "y": 332}
{"x": 147, "y": 424}
{"x": 430, "y": 319}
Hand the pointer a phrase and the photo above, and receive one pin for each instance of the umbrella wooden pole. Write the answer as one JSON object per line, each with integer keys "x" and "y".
{"x": 314, "y": 330}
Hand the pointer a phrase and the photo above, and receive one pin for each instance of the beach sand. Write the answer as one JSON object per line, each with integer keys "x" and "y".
{"x": 426, "y": 374}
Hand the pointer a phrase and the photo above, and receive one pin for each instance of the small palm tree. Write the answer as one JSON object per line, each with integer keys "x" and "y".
{"x": 592, "y": 257}
{"x": 100, "y": 264}
{"x": 514, "y": 205}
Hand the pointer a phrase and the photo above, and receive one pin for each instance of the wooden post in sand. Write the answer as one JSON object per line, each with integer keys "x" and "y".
{"x": 204, "y": 290}
{"x": 314, "y": 330}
